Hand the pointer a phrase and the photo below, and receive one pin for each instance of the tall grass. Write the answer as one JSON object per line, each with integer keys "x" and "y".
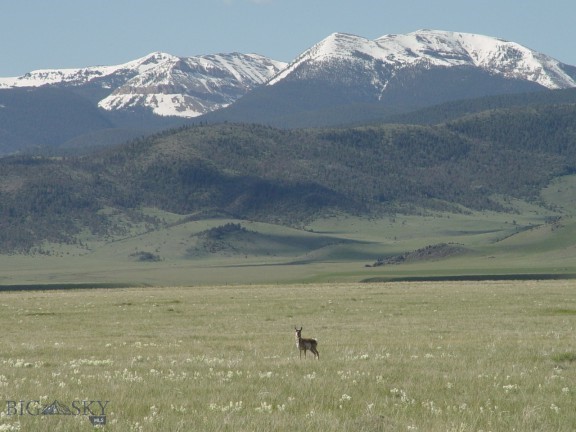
{"x": 444, "y": 356}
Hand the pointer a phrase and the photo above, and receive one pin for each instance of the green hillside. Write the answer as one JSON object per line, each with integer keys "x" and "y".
{"x": 453, "y": 110}
{"x": 498, "y": 183}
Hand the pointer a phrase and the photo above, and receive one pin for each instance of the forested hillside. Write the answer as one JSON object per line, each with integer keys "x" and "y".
{"x": 288, "y": 177}
{"x": 46, "y": 117}
{"x": 454, "y": 110}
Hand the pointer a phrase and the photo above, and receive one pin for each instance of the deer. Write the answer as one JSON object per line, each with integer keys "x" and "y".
{"x": 306, "y": 344}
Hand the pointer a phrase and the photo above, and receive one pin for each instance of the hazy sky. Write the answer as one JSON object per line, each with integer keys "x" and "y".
{"x": 43, "y": 34}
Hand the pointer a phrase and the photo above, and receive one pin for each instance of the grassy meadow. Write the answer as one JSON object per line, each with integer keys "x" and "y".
{"x": 335, "y": 249}
{"x": 442, "y": 356}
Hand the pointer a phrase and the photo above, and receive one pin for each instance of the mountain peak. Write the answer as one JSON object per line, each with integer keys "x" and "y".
{"x": 154, "y": 58}
{"x": 383, "y": 69}
{"x": 163, "y": 83}
{"x": 335, "y": 46}
{"x": 190, "y": 86}
{"x": 80, "y": 76}
{"x": 339, "y": 43}
{"x": 433, "y": 48}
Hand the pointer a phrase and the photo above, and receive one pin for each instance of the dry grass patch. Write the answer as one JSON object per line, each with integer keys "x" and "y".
{"x": 443, "y": 356}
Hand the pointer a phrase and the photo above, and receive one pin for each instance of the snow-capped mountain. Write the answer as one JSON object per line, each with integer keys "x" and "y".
{"x": 188, "y": 87}
{"x": 384, "y": 57}
{"x": 165, "y": 84}
{"x": 348, "y": 78}
{"x": 107, "y": 77}
{"x": 415, "y": 69}
{"x": 342, "y": 79}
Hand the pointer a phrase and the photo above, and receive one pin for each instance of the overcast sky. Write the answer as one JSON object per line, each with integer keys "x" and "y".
{"x": 44, "y": 34}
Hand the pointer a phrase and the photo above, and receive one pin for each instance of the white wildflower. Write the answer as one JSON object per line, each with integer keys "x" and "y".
{"x": 310, "y": 376}
{"x": 345, "y": 397}
{"x": 264, "y": 408}
{"x": 508, "y": 388}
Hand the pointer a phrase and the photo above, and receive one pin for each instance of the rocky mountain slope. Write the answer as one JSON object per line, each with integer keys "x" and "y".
{"x": 386, "y": 57}
{"x": 343, "y": 79}
{"x": 188, "y": 87}
{"x": 165, "y": 84}
{"x": 347, "y": 77}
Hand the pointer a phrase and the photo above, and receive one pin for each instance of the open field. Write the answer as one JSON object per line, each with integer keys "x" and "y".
{"x": 443, "y": 356}
{"x": 336, "y": 249}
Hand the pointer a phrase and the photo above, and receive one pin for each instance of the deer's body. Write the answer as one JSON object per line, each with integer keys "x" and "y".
{"x": 306, "y": 344}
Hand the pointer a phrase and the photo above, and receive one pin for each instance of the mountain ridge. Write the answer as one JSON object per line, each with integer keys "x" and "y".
{"x": 440, "y": 48}
{"x": 165, "y": 84}
{"x": 83, "y": 75}
{"x": 398, "y": 72}
{"x": 178, "y": 78}
{"x": 191, "y": 86}
{"x": 342, "y": 79}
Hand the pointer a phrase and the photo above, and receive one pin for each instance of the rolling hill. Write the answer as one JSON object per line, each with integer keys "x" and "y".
{"x": 480, "y": 162}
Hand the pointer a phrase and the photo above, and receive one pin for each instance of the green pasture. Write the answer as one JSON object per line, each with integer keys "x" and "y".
{"x": 530, "y": 238}
{"x": 340, "y": 248}
{"x": 442, "y": 356}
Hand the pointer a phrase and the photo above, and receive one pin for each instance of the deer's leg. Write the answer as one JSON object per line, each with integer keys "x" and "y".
{"x": 316, "y": 353}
